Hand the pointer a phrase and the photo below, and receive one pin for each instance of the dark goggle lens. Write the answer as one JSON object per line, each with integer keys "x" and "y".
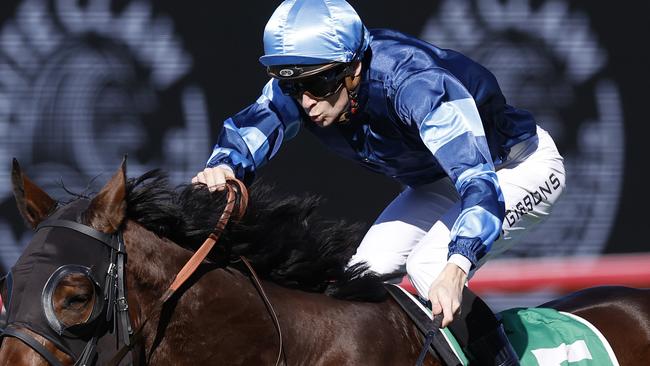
{"x": 320, "y": 86}
{"x": 316, "y": 89}
{"x": 289, "y": 88}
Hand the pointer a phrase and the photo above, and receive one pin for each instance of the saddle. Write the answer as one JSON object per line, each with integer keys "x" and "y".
{"x": 539, "y": 336}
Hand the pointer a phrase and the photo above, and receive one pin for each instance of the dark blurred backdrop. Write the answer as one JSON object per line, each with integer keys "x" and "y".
{"x": 84, "y": 82}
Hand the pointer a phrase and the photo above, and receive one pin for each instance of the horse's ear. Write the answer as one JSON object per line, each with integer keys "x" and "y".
{"x": 33, "y": 203}
{"x": 108, "y": 209}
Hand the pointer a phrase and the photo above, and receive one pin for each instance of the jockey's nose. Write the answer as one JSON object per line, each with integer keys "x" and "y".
{"x": 307, "y": 101}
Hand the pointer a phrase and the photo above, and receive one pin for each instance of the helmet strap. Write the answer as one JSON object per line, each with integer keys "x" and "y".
{"x": 352, "y": 107}
{"x": 351, "y": 85}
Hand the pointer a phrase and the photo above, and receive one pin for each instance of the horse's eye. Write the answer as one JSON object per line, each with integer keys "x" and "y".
{"x": 73, "y": 299}
{"x": 76, "y": 302}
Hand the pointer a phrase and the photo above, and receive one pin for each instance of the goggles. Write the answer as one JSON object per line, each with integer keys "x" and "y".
{"x": 319, "y": 81}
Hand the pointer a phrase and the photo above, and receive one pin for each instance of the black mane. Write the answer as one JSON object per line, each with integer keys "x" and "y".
{"x": 284, "y": 238}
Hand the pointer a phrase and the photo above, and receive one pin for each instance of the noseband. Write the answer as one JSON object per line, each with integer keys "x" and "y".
{"x": 114, "y": 289}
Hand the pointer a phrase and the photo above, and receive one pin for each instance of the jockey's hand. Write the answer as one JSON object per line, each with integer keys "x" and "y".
{"x": 214, "y": 178}
{"x": 446, "y": 292}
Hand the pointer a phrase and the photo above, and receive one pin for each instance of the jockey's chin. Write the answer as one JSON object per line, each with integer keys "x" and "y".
{"x": 327, "y": 111}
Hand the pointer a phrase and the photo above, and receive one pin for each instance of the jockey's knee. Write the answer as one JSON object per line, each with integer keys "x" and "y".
{"x": 423, "y": 271}
{"x": 380, "y": 262}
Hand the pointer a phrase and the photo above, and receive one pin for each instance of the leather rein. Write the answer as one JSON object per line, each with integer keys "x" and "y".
{"x": 233, "y": 186}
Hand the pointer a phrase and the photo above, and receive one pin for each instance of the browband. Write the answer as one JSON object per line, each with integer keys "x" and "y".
{"x": 107, "y": 239}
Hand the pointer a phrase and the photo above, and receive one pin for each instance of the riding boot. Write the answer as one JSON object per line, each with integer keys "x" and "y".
{"x": 493, "y": 348}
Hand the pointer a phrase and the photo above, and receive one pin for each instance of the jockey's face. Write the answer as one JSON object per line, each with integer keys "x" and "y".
{"x": 324, "y": 112}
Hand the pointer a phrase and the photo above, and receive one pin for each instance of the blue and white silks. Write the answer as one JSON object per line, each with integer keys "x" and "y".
{"x": 425, "y": 113}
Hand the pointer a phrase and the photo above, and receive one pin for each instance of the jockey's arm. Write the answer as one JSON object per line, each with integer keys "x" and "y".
{"x": 450, "y": 126}
{"x": 250, "y": 138}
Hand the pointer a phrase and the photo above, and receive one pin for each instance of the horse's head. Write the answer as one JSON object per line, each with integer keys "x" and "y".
{"x": 58, "y": 294}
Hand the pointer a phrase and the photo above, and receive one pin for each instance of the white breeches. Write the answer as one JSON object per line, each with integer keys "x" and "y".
{"x": 413, "y": 231}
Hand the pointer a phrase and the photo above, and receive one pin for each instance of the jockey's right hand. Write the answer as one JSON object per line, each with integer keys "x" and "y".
{"x": 446, "y": 292}
{"x": 214, "y": 178}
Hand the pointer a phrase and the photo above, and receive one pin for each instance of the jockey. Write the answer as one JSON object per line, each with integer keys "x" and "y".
{"x": 478, "y": 173}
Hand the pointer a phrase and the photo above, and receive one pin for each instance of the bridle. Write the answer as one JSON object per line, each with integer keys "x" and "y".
{"x": 114, "y": 294}
{"x": 114, "y": 289}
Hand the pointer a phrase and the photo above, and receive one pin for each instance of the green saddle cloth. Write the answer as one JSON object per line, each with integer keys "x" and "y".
{"x": 547, "y": 337}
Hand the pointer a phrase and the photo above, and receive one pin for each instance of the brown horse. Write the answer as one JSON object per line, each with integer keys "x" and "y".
{"x": 59, "y": 305}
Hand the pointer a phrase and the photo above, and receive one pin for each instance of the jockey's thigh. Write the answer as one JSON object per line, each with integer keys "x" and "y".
{"x": 402, "y": 224}
{"x": 532, "y": 180}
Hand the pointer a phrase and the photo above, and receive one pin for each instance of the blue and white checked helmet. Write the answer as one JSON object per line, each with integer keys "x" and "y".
{"x": 311, "y": 32}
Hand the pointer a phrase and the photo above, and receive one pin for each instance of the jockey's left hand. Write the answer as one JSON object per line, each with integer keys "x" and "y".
{"x": 446, "y": 292}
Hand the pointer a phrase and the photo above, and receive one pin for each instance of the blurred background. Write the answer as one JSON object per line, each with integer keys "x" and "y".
{"x": 84, "y": 82}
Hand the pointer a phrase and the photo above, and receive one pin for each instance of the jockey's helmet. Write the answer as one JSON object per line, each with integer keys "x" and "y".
{"x": 313, "y": 32}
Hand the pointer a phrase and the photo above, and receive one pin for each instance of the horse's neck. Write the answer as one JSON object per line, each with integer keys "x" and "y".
{"x": 152, "y": 265}
{"x": 221, "y": 315}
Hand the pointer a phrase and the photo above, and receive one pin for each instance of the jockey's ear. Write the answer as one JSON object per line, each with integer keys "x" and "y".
{"x": 108, "y": 209}
{"x": 33, "y": 203}
{"x": 352, "y": 81}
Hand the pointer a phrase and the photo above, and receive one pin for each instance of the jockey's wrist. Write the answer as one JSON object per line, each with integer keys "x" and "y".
{"x": 460, "y": 261}
{"x": 226, "y": 167}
